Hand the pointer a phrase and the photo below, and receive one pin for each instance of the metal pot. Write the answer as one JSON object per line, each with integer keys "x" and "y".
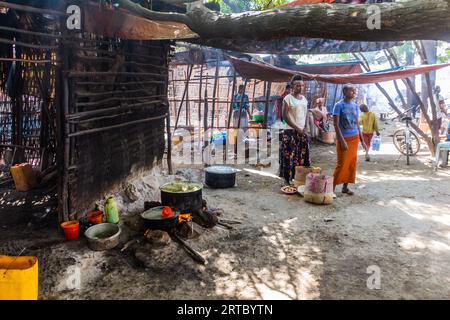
{"x": 220, "y": 177}
{"x": 103, "y": 236}
{"x": 183, "y": 201}
{"x": 154, "y": 220}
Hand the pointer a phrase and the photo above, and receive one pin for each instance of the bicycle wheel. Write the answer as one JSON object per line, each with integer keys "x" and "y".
{"x": 399, "y": 139}
{"x": 408, "y": 151}
{"x": 415, "y": 144}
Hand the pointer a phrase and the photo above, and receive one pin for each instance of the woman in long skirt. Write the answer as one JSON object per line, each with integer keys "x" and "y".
{"x": 294, "y": 144}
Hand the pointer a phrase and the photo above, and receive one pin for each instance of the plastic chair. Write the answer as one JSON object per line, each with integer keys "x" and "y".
{"x": 443, "y": 146}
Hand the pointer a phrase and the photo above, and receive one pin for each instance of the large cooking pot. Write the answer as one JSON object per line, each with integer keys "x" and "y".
{"x": 154, "y": 220}
{"x": 220, "y": 177}
{"x": 182, "y": 195}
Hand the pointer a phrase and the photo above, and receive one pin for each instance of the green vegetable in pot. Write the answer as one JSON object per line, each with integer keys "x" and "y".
{"x": 181, "y": 186}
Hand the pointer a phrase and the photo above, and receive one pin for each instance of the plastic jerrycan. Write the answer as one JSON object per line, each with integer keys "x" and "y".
{"x": 376, "y": 143}
{"x": 111, "y": 212}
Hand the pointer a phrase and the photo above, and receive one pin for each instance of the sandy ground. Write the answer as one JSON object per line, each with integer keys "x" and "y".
{"x": 399, "y": 221}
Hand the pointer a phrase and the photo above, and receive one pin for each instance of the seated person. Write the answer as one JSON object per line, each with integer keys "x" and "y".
{"x": 448, "y": 132}
{"x": 320, "y": 114}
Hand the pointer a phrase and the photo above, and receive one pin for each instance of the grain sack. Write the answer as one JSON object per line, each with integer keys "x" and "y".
{"x": 319, "y": 188}
{"x": 301, "y": 173}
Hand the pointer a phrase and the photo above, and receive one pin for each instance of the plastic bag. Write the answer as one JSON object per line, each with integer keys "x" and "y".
{"x": 318, "y": 188}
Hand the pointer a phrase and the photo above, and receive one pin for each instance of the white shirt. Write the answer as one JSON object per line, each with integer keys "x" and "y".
{"x": 297, "y": 110}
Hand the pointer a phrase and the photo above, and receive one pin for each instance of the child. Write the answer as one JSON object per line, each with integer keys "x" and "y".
{"x": 370, "y": 125}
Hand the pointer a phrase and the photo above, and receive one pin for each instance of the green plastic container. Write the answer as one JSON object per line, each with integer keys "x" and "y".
{"x": 258, "y": 118}
{"x": 111, "y": 212}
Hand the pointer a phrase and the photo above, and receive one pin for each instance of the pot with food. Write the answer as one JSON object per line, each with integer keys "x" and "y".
{"x": 182, "y": 195}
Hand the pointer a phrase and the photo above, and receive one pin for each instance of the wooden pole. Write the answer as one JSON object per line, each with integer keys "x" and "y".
{"x": 200, "y": 102}
{"x": 335, "y": 94}
{"x": 184, "y": 95}
{"x": 254, "y": 92}
{"x": 205, "y": 120}
{"x": 230, "y": 111}
{"x": 174, "y": 111}
{"x": 187, "y": 98}
{"x": 169, "y": 145}
{"x": 95, "y": 130}
{"x": 66, "y": 139}
{"x": 39, "y": 34}
{"x": 31, "y": 9}
{"x": 182, "y": 99}
{"x": 266, "y": 110}
{"x": 27, "y": 45}
{"x": 213, "y": 112}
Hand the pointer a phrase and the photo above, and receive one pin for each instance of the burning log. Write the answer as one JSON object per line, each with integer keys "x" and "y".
{"x": 189, "y": 230}
{"x": 205, "y": 218}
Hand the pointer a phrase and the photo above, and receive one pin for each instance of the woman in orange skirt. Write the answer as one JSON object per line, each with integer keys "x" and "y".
{"x": 346, "y": 115}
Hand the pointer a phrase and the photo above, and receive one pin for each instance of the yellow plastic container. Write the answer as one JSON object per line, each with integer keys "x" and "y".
{"x": 232, "y": 134}
{"x": 24, "y": 177}
{"x": 18, "y": 278}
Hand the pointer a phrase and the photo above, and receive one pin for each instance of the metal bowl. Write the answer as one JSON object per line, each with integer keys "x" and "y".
{"x": 103, "y": 236}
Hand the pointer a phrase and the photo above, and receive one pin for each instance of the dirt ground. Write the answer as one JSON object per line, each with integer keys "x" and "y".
{"x": 399, "y": 220}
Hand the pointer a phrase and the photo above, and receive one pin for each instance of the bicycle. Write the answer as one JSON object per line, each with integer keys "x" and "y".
{"x": 406, "y": 141}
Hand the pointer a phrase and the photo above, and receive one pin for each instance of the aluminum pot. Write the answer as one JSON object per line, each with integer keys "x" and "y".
{"x": 103, "y": 236}
{"x": 154, "y": 220}
{"x": 220, "y": 177}
{"x": 189, "y": 201}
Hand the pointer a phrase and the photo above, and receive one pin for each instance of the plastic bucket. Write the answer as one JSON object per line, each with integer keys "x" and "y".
{"x": 18, "y": 278}
{"x": 95, "y": 217}
{"x": 71, "y": 229}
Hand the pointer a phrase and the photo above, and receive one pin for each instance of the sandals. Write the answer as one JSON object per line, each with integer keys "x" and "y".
{"x": 348, "y": 191}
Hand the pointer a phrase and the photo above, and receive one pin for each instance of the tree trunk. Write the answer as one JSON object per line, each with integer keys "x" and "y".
{"x": 407, "y": 20}
{"x": 428, "y": 54}
{"x": 410, "y": 62}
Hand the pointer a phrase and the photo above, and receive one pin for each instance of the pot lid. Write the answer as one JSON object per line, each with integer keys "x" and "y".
{"x": 220, "y": 170}
{"x": 156, "y": 214}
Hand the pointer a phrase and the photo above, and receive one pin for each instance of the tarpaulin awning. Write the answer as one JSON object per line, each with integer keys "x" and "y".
{"x": 345, "y": 67}
{"x": 267, "y": 72}
{"x": 210, "y": 56}
{"x": 108, "y": 22}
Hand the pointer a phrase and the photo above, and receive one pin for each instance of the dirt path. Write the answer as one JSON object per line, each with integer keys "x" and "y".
{"x": 399, "y": 220}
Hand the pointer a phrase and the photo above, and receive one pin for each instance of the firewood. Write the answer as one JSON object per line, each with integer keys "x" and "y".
{"x": 189, "y": 230}
{"x": 230, "y": 221}
{"x": 206, "y": 219}
{"x": 218, "y": 212}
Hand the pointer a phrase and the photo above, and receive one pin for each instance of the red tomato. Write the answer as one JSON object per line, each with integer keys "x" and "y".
{"x": 167, "y": 212}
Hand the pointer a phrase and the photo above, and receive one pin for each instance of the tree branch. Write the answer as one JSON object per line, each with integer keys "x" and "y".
{"x": 413, "y": 90}
{"x": 391, "y": 102}
{"x": 406, "y": 20}
{"x": 142, "y": 12}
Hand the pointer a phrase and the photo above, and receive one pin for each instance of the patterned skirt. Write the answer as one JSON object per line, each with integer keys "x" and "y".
{"x": 294, "y": 151}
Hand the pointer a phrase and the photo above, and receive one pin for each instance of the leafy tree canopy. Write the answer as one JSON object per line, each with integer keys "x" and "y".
{"x": 234, "y": 6}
